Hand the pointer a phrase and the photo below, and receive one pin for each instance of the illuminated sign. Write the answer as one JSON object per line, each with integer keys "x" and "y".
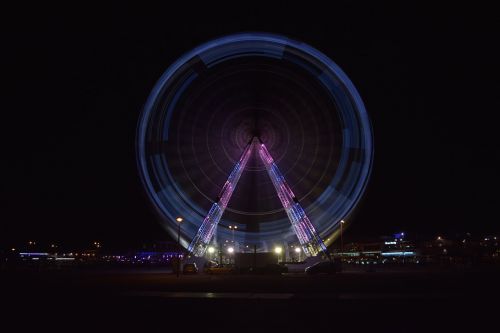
{"x": 399, "y": 254}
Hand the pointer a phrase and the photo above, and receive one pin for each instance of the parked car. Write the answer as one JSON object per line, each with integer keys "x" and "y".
{"x": 190, "y": 269}
{"x": 221, "y": 269}
{"x": 324, "y": 267}
{"x": 209, "y": 264}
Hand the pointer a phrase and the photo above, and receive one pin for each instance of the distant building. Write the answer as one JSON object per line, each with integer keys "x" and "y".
{"x": 440, "y": 250}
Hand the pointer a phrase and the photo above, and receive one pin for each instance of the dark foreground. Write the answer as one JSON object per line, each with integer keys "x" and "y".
{"x": 156, "y": 301}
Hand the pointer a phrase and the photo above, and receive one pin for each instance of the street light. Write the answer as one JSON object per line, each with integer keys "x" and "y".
{"x": 278, "y": 250}
{"x": 211, "y": 250}
{"x": 341, "y": 240}
{"x": 233, "y": 228}
{"x": 297, "y": 250}
{"x": 179, "y": 221}
{"x": 230, "y": 250}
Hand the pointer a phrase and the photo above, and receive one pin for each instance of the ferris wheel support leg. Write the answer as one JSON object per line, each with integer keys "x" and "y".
{"x": 309, "y": 239}
{"x": 207, "y": 229}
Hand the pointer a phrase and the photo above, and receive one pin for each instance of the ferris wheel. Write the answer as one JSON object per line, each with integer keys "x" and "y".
{"x": 257, "y": 133}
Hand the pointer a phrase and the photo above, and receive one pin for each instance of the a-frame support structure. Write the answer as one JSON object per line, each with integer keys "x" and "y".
{"x": 306, "y": 233}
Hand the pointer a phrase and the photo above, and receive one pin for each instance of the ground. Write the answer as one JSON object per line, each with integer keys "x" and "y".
{"x": 155, "y": 300}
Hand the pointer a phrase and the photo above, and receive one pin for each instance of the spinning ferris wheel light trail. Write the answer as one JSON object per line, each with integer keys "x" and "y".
{"x": 306, "y": 233}
{"x": 300, "y": 103}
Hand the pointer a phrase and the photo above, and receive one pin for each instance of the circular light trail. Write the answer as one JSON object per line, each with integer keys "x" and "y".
{"x": 333, "y": 186}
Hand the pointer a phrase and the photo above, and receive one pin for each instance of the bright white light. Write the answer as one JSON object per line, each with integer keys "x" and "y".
{"x": 179, "y": 219}
{"x": 342, "y": 221}
{"x": 278, "y": 249}
{"x": 297, "y": 249}
{"x": 211, "y": 249}
{"x": 230, "y": 249}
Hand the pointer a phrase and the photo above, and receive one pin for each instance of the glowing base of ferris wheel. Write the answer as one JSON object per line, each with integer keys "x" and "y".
{"x": 309, "y": 239}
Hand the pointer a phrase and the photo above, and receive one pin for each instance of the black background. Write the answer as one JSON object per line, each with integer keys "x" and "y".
{"x": 75, "y": 80}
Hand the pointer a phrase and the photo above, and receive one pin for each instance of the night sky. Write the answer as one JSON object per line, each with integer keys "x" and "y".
{"x": 75, "y": 80}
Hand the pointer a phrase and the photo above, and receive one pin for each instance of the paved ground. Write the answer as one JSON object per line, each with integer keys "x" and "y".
{"x": 146, "y": 300}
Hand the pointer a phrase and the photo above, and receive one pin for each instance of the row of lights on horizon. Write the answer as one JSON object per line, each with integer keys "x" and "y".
{"x": 233, "y": 228}
{"x": 54, "y": 246}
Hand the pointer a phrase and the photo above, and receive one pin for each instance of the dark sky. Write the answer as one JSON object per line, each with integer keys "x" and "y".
{"x": 75, "y": 80}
